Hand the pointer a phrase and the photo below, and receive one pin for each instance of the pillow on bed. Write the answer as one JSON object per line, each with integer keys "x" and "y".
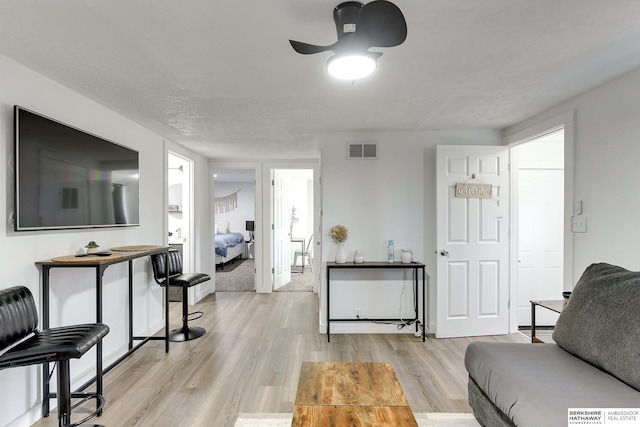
{"x": 222, "y": 228}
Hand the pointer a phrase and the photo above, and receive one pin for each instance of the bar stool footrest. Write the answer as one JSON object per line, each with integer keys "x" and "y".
{"x": 194, "y": 315}
{"x": 84, "y": 398}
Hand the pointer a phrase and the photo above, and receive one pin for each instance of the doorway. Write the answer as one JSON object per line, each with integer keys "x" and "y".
{"x": 180, "y": 213}
{"x": 234, "y": 213}
{"x": 540, "y": 178}
{"x": 294, "y": 244}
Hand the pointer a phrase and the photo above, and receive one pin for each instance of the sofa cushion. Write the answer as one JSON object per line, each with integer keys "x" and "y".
{"x": 601, "y": 322}
{"x": 535, "y": 384}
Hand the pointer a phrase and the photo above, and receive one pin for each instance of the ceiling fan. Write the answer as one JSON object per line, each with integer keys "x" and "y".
{"x": 379, "y": 23}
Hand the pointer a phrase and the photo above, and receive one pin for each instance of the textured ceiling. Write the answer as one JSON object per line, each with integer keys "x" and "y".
{"x": 221, "y": 78}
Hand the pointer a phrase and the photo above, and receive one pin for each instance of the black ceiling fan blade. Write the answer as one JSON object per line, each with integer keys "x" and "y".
{"x": 308, "y": 49}
{"x": 380, "y": 24}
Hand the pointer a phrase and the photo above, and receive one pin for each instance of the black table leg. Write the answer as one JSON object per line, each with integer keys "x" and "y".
{"x": 533, "y": 322}
{"x": 328, "y": 304}
{"x": 45, "y": 325}
{"x": 130, "y": 304}
{"x": 166, "y": 304}
{"x": 99, "y": 274}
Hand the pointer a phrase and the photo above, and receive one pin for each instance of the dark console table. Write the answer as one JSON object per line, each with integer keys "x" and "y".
{"x": 553, "y": 305}
{"x": 415, "y": 266}
{"x": 100, "y": 264}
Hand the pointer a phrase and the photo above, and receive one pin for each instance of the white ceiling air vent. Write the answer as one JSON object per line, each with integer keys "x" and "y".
{"x": 362, "y": 151}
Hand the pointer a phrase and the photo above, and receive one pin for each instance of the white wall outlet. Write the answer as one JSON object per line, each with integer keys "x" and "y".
{"x": 579, "y": 224}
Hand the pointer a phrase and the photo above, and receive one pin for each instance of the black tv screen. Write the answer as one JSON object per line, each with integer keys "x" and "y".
{"x": 67, "y": 178}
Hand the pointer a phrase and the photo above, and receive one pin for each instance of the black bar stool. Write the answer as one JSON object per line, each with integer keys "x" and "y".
{"x": 180, "y": 280}
{"x": 22, "y": 345}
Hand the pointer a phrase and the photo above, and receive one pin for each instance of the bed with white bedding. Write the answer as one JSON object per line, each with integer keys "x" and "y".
{"x": 229, "y": 246}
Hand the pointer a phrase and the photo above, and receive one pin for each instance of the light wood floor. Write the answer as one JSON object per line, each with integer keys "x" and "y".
{"x": 249, "y": 361}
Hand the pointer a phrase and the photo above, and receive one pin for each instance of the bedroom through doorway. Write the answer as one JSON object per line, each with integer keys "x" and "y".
{"x": 234, "y": 225}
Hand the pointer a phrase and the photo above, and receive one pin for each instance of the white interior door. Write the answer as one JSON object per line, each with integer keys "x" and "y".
{"x": 281, "y": 230}
{"x": 473, "y": 243}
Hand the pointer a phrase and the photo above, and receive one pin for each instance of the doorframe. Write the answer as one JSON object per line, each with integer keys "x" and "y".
{"x": 189, "y": 247}
{"x": 269, "y": 166}
{"x": 188, "y": 260}
{"x": 263, "y": 235}
{"x": 259, "y": 233}
{"x": 566, "y": 121}
{"x": 281, "y": 273}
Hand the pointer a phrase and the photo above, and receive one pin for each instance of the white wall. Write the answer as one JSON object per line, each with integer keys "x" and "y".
{"x": 392, "y": 197}
{"x": 607, "y": 131}
{"x": 72, "y": 290}
{"x": 204, "y": 256}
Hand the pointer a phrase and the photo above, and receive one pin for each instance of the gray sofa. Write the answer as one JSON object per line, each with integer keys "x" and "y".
{"x": 595, "y": 362}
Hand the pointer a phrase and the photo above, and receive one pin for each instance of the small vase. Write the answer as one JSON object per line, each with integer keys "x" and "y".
{"x": 341, "y": 254}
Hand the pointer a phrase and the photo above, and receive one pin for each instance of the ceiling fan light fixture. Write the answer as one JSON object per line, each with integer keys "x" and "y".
{"x": 351, "y": 66}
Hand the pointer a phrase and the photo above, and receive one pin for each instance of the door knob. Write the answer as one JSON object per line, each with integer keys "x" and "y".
{"x": 445, "y": 253}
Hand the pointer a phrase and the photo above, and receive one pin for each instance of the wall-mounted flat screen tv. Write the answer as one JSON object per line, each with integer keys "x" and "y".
{"x": 67, "y": 178}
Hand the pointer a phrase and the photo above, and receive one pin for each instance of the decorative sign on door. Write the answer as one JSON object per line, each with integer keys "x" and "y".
{"x": 474, "y": 191}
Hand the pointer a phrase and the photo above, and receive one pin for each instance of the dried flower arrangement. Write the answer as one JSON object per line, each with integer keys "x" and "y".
{"x": 338, "y": 233}
{"x": 294, "y": 219}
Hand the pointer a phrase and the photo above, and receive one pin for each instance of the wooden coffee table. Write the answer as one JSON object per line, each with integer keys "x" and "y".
{"x": 350, "y": 394}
